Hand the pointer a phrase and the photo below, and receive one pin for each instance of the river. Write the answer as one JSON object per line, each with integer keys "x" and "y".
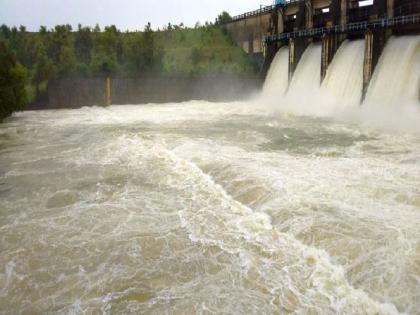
{"x": 206, "y": 208}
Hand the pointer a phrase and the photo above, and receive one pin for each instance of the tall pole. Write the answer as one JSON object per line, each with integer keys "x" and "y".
{"x": 108, "y": 100}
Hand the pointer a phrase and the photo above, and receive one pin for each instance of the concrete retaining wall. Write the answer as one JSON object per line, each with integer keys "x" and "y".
{"x": 79, "y": 92}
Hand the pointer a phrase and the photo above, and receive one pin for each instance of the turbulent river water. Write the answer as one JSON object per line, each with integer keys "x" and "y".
{"x": 206, "y": 208}
{"x": 227, "y": 208}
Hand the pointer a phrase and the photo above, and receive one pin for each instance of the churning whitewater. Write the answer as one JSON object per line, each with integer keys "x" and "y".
{"x": 215, "y": 208}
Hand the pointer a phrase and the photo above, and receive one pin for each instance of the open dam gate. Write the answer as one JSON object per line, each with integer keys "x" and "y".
{"x": 296, "y": 24}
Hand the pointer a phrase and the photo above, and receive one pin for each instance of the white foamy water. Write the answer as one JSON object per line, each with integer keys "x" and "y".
{"x": 343, "y": 83}
{"x": 392, "y": 101}
{"x": 277, "y": 79}
{"x": 221, "y": 208}
{"x": 340, "y": 91}
{"x": 393, "y": 96}
{"x": 397, "y": 79}
{"x": 306, "y": 80}
{"x": 304, "y": 94}
{"x": 206, "y": 208}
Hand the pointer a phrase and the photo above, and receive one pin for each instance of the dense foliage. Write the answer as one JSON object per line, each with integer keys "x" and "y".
{"x": 175, "y": 50}
{"x": 223, "y": 18}
{"x": 12, "y": 82}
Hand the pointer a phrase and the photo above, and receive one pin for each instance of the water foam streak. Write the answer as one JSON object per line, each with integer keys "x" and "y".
{"x": 214, "y": 211}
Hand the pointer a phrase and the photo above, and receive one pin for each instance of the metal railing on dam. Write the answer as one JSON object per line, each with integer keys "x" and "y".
{"x": 327, "y": 22}
{"x": 263, "y": 10}
{"x": 346, "y": 28}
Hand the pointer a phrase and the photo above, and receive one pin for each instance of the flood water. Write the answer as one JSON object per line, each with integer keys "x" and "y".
{"x": 201, "y": 208}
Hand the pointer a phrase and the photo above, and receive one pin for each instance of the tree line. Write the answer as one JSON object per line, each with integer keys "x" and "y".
{"x": 34, "y": 58}
{"x": 62, "y": 52}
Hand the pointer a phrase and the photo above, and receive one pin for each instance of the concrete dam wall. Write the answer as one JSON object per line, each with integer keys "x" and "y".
{"x": 78, "y": 92}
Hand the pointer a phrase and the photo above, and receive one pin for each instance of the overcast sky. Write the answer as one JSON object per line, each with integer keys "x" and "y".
{"x": 125, "y": 14}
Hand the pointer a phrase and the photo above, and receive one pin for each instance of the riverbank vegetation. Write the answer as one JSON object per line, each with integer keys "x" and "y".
{"x": 95, "y": 52}
{"x": 13, "y": 77}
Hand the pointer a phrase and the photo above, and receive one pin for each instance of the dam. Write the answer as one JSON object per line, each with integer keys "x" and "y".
{"x": 299, "y": 25}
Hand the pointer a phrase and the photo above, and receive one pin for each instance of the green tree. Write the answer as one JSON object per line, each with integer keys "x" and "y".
{"x": 149, "y": 44}
{"x": 5, "y": 32}
{"x": 134, "y": 48}
{"x": 13, "y": 39}
{"x": 29, "y": 56}
{"x": 43, "y": 30}
{"x": 44, "y": 68}
{"x": 83, "y": 44}
{"x": 12, "y": 82}
{"x": 107, "y": 51}
{"x": 59, "y": 38}
{"x": 103, "y": 64}
{"x": 107, "y": 41}
{"x": 67, "y": 61}
{"x": 223, "y": 18}
{"x": 97, "y": 29}
{"x": 20, "y": 45}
